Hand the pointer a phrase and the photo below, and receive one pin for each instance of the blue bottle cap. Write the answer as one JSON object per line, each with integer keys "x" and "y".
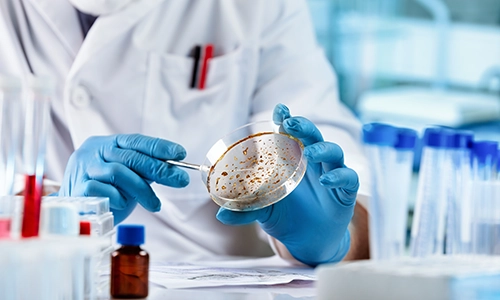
{"x": 439, "y": 137}
{"x": 406, "y": 138}
{"x": 463, "y": 139}
{"x": 130, "y": 234}
{"x": 379, "y": 134}
{"x": 485, "y": 150}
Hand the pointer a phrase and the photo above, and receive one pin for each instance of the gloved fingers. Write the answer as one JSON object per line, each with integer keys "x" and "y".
{"x": 151, "y": 169}
{"x": 229, "y": 217}
{"x": 153, "y": 147}
{"x": 330, "y": 154}
{"x": 345, "y": 181}
{"x": 131, "y": 185}
{"x": 303, "y": 129}
{"x": 298, "y": 127}
{"x": 94, "y": 188}
{"x": 280, "y": 113}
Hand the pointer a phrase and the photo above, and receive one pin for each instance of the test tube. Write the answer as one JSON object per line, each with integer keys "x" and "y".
{"x": 484, "y": 165}
{"x": 434, "y": 184}
{"x": 498, "y": 165}
{"x": 496, "y": 208}
{"x": 379, "y": 140}
{"x": 41, "y": 90}
{"x": 10, "y": 101}
{"x": 400, "y": 178}
{"x": 458, "y": 236}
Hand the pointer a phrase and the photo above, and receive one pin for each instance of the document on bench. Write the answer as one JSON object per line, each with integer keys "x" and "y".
{"x": 247, "y": 272}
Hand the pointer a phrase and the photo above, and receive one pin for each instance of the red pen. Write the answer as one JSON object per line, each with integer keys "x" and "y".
{"x": 208, "y": 53}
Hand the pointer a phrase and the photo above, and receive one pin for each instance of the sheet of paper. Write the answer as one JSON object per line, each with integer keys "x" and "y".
{"x": 227, "y": 273}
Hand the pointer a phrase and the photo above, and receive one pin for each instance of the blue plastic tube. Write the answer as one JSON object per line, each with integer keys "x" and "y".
{"x": 379, "y": 140}
{"x": 400, "y": 180}
{"x": 482, "y": 196}
{"x": 458, "y": 234}
{"x": 390, "y": 151}
{"x": 434, "y": 184}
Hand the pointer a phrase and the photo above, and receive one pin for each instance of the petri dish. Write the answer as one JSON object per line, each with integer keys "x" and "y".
{"x": 253, "y": 167}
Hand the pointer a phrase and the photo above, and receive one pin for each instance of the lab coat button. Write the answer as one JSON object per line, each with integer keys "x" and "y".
{"x": 81, "y": 97}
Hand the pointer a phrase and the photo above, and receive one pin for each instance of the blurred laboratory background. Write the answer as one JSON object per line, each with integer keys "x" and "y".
{"x": 416, "y": 63}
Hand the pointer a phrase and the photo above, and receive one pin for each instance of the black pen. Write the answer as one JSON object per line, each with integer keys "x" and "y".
{"x": 196, "y": 56}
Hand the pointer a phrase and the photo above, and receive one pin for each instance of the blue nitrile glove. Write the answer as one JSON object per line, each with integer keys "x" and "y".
{"x": 312, "y": 221}
{"x": 121, "y": 167}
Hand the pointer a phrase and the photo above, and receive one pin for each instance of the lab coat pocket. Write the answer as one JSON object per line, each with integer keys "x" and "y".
{"x": 169, "y": 84}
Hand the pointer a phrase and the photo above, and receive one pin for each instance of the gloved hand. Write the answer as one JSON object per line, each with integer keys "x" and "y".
{"x": 122, "y": 167}
{"x": 312, "y": 221}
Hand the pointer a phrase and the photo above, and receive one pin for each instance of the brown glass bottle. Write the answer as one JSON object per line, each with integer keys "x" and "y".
{"x": 130, "y": 264}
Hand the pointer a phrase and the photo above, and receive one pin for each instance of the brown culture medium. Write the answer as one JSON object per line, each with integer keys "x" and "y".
{"x": 256, "y": 171}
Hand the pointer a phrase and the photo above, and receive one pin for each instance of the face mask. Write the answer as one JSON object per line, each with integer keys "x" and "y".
{"x": 100, "y": 7}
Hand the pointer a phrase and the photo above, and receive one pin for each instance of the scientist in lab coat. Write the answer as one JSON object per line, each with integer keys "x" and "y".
{"x": 123, "y": 104}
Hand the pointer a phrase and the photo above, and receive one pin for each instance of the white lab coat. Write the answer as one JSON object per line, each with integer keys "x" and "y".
{"x": 131, "y": 75}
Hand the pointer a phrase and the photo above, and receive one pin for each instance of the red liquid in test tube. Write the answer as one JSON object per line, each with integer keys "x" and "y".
{"x": 5, "y": 224}
{"x": 41, "y": 90}
{"x": 32, "y": 205}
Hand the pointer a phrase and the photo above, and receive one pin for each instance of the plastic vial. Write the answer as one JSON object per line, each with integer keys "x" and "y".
{"x": 401, "y": 178}
{"x": 434, "y": 185}
{"x": 379, "y": 140}
{"x": 10, "y": 104}
{"x": 36, "y": 127}
{"x": 458, "y": 232}
{"x": 130, "y": 264}
{"x": 483, "y": 200}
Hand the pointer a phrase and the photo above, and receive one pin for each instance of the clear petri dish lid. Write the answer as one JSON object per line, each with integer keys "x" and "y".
{"x": 253, "y": 167}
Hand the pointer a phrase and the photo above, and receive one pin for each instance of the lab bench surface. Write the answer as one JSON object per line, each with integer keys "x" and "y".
{"x": 300, "y": 290}
{"x": 226, "y": 278}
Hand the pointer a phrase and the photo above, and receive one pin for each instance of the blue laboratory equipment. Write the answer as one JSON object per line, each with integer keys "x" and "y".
{"x": 434, "y": 185}
{"x": 458, "y": 236}
{"x": 496, "y": 207}
{"x": 484, "y": 159}
{"x": 400, "y": 177}
{"x": 379, "y": 140}
{"x": 483, "y": 201}
{"x": 498, "y": 165}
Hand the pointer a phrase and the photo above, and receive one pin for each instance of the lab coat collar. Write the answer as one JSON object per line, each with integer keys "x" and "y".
{"x": 105, "y": 29}
{"x": 61, "y": 17}
{"x": 100, "y": 7}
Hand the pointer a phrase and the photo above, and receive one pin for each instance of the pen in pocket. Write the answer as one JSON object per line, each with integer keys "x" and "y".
{"x": 196, "y": 56}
